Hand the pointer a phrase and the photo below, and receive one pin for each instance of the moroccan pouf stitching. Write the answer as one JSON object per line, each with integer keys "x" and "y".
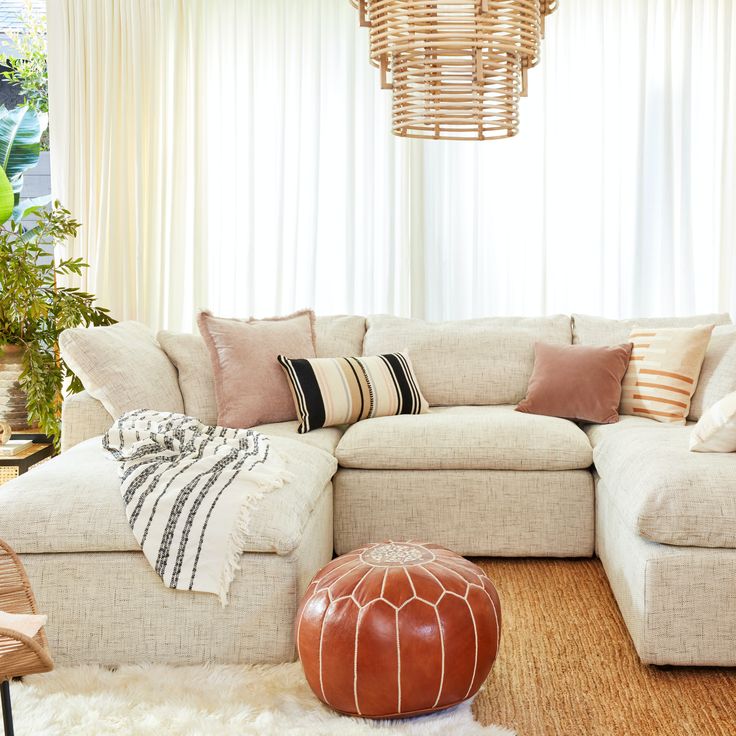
{"x": 396, "y": 629}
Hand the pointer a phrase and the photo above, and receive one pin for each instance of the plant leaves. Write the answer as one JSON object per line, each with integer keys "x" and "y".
{"x": 27, "y": 207}
{"x": 6, "y": 197}
{"x": 34, "y": 310}
{"x": 20, "y": 144}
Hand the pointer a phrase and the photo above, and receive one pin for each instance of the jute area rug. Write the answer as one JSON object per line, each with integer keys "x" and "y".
{"x": 192, "y": 701}
{"x": 567, "y": 666}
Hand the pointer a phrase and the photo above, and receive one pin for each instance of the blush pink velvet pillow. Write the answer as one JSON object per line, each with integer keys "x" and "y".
{"x": 578, "y": 382}
{"x": 250, "y": 387}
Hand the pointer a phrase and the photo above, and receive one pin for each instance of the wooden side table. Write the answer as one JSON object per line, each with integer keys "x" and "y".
{"x": 15, "y": 465}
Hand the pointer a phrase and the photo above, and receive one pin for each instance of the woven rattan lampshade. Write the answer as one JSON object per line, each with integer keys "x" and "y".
{"x": 547, "y": 7}
{"x": 456, "y": 67}
{"x": 450, "y": 79}
{"x": 362, "y": 7}
{"x": 456, "y": 94}
{"x": 517, "y": 26}
{"x": 379, "y": 15}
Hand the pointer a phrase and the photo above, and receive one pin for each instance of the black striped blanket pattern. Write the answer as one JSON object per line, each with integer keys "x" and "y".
{"x": 188, "y": 490}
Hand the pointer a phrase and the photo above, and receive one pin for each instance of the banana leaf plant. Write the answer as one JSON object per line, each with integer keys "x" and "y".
{"x": 34, "y": 309}
{"x": 20, "y": 144}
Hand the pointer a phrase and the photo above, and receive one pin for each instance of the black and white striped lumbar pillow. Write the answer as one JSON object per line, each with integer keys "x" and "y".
{"x": 331, "y": 391}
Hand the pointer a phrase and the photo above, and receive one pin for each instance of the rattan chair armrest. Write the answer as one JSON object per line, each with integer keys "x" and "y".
{"x": 38, "y": 649}
{"x": 20, "y": 578}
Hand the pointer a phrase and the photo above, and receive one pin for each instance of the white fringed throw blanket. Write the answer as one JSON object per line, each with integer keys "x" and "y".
{"x": 188, "y": 490}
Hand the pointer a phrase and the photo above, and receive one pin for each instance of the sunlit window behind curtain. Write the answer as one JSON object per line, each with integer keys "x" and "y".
{"x": 238, "y": 156}
{"x": 312, "y": 186}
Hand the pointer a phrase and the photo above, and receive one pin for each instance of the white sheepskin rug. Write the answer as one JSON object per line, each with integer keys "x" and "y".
{"x": 262, "y": 700}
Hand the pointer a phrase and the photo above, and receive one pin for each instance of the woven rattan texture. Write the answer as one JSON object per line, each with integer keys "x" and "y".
{"x": 19, "y": 654}
{"x": 456, "y": 69}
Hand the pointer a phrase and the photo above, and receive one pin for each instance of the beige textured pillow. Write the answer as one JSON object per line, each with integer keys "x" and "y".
{"x": 191, "y": 358}
{"x": 716, "y": 430}
{"x": 663, "y": 371}
{"x": 122, "y": 366}
{"x": 718, "y": 374}
{"x": 250, "y": 386}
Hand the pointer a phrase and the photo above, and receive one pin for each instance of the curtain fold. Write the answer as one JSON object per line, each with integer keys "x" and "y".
{"x": 238, "y": 156}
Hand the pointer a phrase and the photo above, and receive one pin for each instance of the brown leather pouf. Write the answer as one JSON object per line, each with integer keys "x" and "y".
{"x": 397, "y": 629}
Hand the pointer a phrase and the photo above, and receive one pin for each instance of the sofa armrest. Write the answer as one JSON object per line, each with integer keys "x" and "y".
{"x": 82, "y": 417}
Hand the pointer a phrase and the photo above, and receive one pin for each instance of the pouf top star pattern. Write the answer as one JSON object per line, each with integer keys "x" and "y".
{"x": 398, "y": 628}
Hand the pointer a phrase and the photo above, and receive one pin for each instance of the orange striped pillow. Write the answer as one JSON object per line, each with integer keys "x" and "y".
{"x": 663, "y": 371}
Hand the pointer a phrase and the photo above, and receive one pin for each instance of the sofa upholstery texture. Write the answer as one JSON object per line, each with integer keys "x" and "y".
{"x": 465, "y": 438}
{"x": 666, "y": 493}
{"x": 111, "y": 607}
{"x": 473, "y": 475}
{"x": 41, "y": 515}
{"x": 479, "y": 361}
{"x": 679, "y": 603}
{"x": 503, "y": 513}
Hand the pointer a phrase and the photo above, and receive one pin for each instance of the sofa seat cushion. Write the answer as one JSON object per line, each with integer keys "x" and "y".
{"x": 73, "y": 504}
{"x": 465, "y": 438}
{"x": 664, "y": 492}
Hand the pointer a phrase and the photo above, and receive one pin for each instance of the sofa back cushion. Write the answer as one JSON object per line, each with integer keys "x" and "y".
{"x": 338, "y": 336}
{"x": 479, "y": 362}
{"x": 122, "y": 366}
{"x": 718, "y": 374}
{"x": 587, "y": 330}
{"x": 335, "y": 336}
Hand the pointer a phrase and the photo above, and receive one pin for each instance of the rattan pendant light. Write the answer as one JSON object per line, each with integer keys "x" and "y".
{"x": 456, "y": 93}
{"x": 361, "y": 7}
{"x": 517, "y": 26}
{"x": 547, "y": 7}
{"x": 379, "y": 12}
{"x": 450, "y": 79}
{"x": 456, "y": 67}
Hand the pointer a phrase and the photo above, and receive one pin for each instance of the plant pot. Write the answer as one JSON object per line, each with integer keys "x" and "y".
{"x": 12, "y": 397}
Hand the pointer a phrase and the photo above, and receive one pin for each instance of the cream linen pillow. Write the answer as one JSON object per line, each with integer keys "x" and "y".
{"x": 123, "y": 367}
{"x": 196, "y": 380}
{"x": 716, "y": 430}
{"x": 663, "y": 371}
{"x": 27, "y": 624}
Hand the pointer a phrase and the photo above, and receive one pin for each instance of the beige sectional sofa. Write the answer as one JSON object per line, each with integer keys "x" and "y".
{"x": 473, "y": 475}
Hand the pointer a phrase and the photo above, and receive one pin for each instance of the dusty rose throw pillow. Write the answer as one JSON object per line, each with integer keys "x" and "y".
{"x": 579, "y": 382}
{"x": 250, "y": 386}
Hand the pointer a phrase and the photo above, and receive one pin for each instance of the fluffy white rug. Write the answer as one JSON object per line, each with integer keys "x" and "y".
{"x": 227, "y": 701}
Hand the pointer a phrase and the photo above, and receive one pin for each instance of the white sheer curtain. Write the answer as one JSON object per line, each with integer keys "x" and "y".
{"x": 618, "y": 195}
{"x": 237, "y": 155}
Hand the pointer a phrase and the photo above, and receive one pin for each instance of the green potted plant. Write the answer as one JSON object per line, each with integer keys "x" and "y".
{"x": 26, "y": 68}
{"x": 34, "y": 308}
